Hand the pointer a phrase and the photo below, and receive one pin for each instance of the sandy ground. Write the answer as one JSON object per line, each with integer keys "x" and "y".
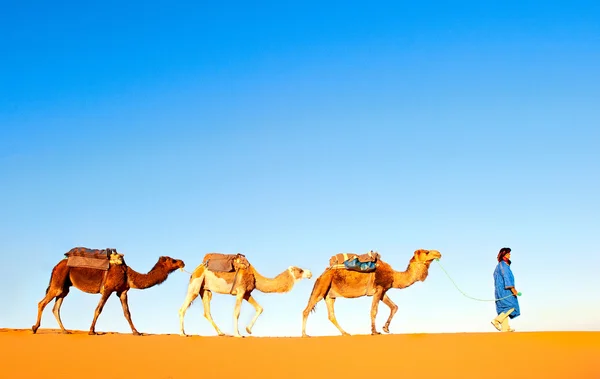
{"x": 50, "y": 354}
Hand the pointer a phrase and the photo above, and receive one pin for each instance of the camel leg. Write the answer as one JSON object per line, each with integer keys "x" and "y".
{"x": 56, "y": 310}
{"x": 192, "y": 294}
{"x": 206, "y": 297}
{"x": 258, "y": 309}
{"x": 236, "y": 313}
{"x": 41, "y": 305}
{"x": 331, "y": 314}
{"x": 125, "y": 305}
{"x": 57, "y": 286}
{"x": 309, "y": 307}
{"x": 377, "y": 297}
{"x": 393, "y": 309}
{"x": 318, "y": 293}
{"x": 98, "y": 311}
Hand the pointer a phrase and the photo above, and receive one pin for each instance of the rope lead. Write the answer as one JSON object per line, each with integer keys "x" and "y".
{"x": 470, "y": 297}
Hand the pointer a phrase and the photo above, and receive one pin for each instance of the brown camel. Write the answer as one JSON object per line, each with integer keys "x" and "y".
{"x": 240, "y": 284}
{"x": 339, "y": 282}
{"x": 119, "y": 278}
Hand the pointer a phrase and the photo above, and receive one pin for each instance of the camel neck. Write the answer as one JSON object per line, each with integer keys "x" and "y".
{"x": 416, "y": 271}
{"x": 157, "y": 275}
{"x": 279, "y": 284}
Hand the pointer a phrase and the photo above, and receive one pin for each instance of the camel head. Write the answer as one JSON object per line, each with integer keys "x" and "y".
{"x": 170, "y": 264}
{"x": 421, "y": 261}
{"x": 425, "y": 256}
{"x": 298, "y": 273}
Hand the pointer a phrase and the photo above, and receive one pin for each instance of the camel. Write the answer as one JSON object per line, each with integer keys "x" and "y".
{"x": 240, "y": 284}
{"x": 339, "y": 282}
{"x": 119, "y": 278}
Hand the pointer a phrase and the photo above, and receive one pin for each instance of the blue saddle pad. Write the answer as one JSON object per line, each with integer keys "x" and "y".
{"x": 356, "y": 265}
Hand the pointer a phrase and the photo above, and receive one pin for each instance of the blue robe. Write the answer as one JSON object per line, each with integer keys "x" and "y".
{"x": 503, "y": 281}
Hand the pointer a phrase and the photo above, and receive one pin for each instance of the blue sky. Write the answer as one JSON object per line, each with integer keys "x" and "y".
{"x": 290, "y": 133}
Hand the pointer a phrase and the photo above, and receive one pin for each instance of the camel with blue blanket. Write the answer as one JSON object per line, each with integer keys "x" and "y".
{"x": 366, "y": 275}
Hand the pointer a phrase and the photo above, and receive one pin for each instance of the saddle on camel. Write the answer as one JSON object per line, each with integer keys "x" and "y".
{"x": 355, "y": 262}
{"x": 93, "y": 258}
{"x": 217, "y": 262}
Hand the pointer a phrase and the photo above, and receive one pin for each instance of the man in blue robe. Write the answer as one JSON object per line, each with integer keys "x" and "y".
{"x": 507, "y": 304}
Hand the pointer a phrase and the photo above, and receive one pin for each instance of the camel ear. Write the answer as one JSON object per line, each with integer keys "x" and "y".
{"x": 416, "y": 253}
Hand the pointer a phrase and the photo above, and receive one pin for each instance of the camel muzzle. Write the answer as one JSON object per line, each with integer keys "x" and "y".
{"x": 435, "y": 254}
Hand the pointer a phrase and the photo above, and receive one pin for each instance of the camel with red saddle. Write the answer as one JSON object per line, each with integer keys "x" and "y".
{"x": 344, "y": 278}
{"x": 232, "y": 274}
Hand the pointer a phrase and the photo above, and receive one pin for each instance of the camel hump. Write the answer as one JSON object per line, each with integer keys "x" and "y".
{"x": 89, "y": 253}
{"x": 218, "y": 262}
{"x": 339, "y": 259}
{"x": 92, "y": 258}
{"x": 371, "y": 256}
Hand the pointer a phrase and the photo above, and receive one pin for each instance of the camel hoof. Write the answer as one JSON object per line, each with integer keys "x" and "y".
{"x": 385, "y": 329}
{"x": 66, "y": 332}
{"x": 238, "y": 335}
{"x": 136, "y": 333}
{"x": 375, "y": 332}
{"x": 346, "y": 334}
{"x": 249, "y": 330}
{"x": 92, "y": 333}
{"x": 305, "y": 335}
{"x": 34, "y": 329}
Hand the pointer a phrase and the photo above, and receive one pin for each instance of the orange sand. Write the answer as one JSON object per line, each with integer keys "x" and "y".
{"x": 464, "y": 355}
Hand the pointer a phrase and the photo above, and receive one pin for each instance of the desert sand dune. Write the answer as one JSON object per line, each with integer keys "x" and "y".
{"x": 50, "y": 354}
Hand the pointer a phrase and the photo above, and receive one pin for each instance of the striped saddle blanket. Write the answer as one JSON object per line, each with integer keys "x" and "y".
{"x": 341, "y": 258}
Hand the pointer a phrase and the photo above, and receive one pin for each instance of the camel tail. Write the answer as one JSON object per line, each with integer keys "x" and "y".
{"x": 52, "y": 275}
{"x": 319, "y": 291}
{"x": 312, "y": 295}
{"x": 195, "y": 287}
{"x": 49, "y": 282}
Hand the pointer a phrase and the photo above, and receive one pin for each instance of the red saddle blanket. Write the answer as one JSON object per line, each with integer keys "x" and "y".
{"x": 89, "y": 258}
{"x": 371, "y": 256}
{"x": 218, "y": 262}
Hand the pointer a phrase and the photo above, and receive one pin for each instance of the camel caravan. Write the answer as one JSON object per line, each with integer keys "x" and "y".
{"x": 348, "y": 275}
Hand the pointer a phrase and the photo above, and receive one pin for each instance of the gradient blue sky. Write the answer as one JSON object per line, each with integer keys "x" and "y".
{"x": 290, "y": 133}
